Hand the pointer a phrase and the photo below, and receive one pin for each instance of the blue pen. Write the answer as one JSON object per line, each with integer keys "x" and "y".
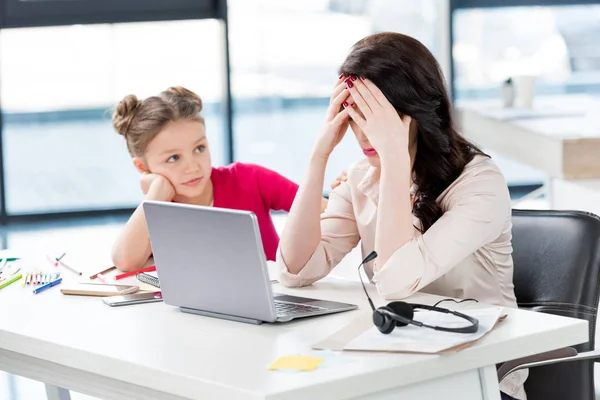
{"x": 47, "y": 285}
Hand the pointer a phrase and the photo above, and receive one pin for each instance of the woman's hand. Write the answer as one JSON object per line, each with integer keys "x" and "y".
{"x": 343, "y": 177}
{"x": 336, "y": 122}
{"x": 380, "y": 122}
{"x": 157, "y": 187}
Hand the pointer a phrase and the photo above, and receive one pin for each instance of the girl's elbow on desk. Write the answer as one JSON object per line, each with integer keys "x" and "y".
{"x": 125, "y": 264}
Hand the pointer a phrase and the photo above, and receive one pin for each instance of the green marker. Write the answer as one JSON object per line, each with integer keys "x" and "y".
{"x": 12, "y": 280}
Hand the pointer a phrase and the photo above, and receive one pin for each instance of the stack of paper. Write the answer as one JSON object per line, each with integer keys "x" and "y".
{"x": 362, "y": 335}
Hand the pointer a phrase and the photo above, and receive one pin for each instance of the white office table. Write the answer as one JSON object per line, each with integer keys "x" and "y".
{"x": 154, "y": 351}
{"x": 560, "y": 135}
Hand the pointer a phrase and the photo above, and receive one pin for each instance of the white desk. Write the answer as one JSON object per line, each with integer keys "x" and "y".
{"x": 154, "y": 351}
{"x": 559, "y": 136}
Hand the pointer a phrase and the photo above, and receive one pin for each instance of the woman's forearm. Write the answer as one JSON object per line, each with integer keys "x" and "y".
{"x": 302, "y": 231}
{"x": 394, "y": 215}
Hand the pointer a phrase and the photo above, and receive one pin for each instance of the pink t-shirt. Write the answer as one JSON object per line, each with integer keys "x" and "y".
{"x": 254, "y": 188}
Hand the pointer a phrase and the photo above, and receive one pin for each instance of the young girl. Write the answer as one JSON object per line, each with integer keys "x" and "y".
{"x": 166, "y": 137}
{"x": 435, "y": 208}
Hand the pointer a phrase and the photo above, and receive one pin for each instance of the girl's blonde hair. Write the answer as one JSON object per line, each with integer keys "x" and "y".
{"x": 139, "y": 121}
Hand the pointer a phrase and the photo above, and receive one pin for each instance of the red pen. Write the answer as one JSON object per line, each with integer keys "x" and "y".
{"x": 137, "y": 271}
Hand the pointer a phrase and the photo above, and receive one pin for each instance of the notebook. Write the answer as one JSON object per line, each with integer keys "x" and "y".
{"x": 150, "y": 278}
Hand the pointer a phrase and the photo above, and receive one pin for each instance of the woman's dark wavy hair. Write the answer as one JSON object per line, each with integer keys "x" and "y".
{"x": 411, "y": 79}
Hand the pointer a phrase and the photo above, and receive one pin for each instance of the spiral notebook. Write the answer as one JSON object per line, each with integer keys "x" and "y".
{"x": 150, "y": 278}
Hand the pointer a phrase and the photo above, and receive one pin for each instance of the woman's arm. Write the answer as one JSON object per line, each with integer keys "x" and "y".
{"x": 338, "y": 236}
{"x": 132, "y": 248}
{"x": 394, "y": 214}
{"x": 302, "y": 232}
{"x": 478, "y": 210}
{"x": 389, "y": 135}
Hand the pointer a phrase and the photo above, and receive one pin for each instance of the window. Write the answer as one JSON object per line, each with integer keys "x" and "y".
{"x": 284, "y": 61}
{"x": 558, "y": 45}
{"x": 29, "y": 13}
{"x": 59, "y": 85}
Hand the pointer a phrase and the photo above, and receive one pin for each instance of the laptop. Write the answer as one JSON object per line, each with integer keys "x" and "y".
{"x": 210, "y": 261}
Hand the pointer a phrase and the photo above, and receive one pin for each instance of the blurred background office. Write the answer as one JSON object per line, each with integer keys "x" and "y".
{"x": 265, "y": 70}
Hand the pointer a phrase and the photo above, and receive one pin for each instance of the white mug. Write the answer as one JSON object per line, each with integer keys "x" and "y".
{"x": 525, "y": 88}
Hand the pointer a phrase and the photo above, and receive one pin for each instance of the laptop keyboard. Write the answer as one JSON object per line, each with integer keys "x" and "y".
{"x": 284, "y": 308}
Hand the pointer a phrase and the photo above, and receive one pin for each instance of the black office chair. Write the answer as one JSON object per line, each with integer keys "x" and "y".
{"x": 557, "y": 269}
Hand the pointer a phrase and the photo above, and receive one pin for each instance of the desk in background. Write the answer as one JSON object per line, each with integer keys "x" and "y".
{"x": 154, "y": 351}
{"x": 560, "y": 137}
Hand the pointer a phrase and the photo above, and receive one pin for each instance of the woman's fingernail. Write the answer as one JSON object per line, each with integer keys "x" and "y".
{"x": 353, "y": 77}
{"x": 349, "y": 83}
{"x": 362, "y": 78}
{"x": 341, "y": 76}
{"x": 345, "y": 104}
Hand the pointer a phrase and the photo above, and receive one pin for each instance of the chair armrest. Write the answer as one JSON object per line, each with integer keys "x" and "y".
{"x": 551, "y": 357}
{"x": 515, "y": 365}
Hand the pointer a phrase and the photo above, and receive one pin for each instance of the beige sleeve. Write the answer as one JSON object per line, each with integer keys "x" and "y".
{"x": 478, "y": 210}
{"x": 339, "y": 235}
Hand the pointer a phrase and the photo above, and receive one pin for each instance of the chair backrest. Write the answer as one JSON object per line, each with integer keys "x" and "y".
{"x": 557, "y": 267}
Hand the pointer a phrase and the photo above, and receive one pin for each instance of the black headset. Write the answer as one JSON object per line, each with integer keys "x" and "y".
{"x": 400, "y": 313}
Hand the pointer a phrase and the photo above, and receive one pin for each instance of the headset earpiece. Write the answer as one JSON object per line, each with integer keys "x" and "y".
{"x": 384, "y": 323}
{"x": 401, "y": 309}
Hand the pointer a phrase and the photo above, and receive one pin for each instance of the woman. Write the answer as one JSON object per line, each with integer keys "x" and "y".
{"x": 166, "y": 137}
{"x": 434, "y": 207}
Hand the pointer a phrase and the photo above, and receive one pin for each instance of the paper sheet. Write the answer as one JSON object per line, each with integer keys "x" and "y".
{"x": 273, "y": 272}
{"x": 424, "y": 340}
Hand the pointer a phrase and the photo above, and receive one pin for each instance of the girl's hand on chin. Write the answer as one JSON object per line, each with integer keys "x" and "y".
{"x": 157, "y": 187}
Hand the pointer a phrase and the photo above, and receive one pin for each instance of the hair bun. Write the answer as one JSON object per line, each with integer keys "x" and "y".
{"x": 180, "y": 91}
{"x": 124, "y": 113}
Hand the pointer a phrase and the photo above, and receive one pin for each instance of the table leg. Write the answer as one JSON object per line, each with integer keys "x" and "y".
{"x": 57, "y": 393}
{"x": 488, "y": 376}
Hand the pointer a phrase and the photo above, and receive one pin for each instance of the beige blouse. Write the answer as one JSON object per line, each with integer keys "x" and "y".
{"x": 467, "y": 253}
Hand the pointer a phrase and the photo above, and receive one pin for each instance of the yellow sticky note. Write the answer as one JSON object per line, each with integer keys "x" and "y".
{"x": 298, "y": 363}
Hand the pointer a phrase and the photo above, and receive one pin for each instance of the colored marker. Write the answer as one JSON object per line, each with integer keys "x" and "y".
{"x": 70, "y": 268}
{"x": 137, "y": 271}
{"x": 47, "y": 286}
{"x": 12, "y": 280}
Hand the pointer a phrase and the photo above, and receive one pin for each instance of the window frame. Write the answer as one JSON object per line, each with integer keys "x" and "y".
{"x": 16, "y": 14}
